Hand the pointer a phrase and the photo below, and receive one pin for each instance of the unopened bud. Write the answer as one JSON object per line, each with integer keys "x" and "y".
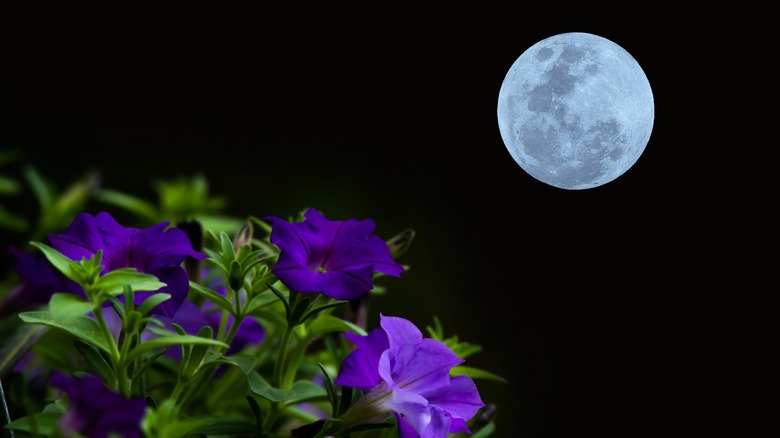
{"x": 243, "y": 236}
{"x": 399, "y": 243}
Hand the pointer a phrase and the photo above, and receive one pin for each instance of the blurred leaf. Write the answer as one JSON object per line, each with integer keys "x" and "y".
{"x": 80, "y": 326}
{"x": 40, "y": 188}
{"x": 18, "y": 343}
{"x": 44, "y": 423}
{"x": 218, "y": 224}
{"x": 485, "y": 432}
{"x": 329, "y": 323}
{"x": 8, "y": 186}
{"x": 130, "y": 203}
{"x": 12, "y": 222}
{"x": 223, "y": 426}
{"x": 475, "y": 373}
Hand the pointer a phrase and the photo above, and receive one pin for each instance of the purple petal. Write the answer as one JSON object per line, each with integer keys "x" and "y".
{"x": 414, "y": 363}
{"x": 461, "y": 398}
{"x": 176, "y": 283}
{"x": 360, "y": 368}
{"x": 414, "y": 409}
{"x": 157, "y": 247}
{"x": 96, "y": 411}
{"x": 403, "y": 337}
{"x": 405, "y": 430}
{"x": 116, "y": 243}
{"x": 458, "y": 425}
{"x": 80, "y": 239}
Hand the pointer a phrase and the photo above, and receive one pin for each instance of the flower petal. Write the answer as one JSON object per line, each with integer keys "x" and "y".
{"x": 96, "y": 411}
{"x": 157, "y": 247}
{"x": 460, "y": 398}
{"x": 80, "y": 239}
{"x": 360, "y": 368}
{"x": 414, "y": 363}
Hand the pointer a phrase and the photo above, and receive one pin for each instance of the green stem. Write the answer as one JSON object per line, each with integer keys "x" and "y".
{"x": 281, "y": 358}
{"x": 115, "y": 355}
{"x": 121, "y": 383}
{"x": 291, "y": 367}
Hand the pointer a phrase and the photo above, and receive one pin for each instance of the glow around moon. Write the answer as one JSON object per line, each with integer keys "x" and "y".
{"x": 575, "y": 111}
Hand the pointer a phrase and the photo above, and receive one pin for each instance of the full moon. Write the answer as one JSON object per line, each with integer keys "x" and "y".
{"x": 575, "y": 111}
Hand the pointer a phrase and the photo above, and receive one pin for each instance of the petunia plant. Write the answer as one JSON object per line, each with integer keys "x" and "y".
{"x": 185, "y": 328}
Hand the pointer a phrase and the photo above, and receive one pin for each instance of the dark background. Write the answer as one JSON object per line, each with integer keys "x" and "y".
{"x": 569, "y": 292}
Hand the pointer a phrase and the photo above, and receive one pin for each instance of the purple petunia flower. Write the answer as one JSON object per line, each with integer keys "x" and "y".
{"x": 336, "y": 258}
{"x": 95, "y": 411}
{"x": 408, "y": 375}
{"x": 153, "y": 251}
{"x": 38, "y": 281}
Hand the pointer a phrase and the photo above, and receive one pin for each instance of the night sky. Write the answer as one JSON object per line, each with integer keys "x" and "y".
{"x": 567, "y": 291}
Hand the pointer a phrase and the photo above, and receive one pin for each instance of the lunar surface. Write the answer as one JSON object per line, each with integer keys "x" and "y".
{"x": 575, "y": 111}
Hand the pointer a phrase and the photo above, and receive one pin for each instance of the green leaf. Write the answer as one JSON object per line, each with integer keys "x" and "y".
{"x": 244, "y": 362}
{"x": 475, "y": 373}
{"x": 64, "y": 305}
{"x": 258, "y": 414}
{"x": 61, "y": 262}
{"x": 226, "y": 246}
{"x": 260, "y": 300}
{"x": 17, "y": 343}
{"x": 113, "y": 282}
{"x": 315, "y": 310}
{"x": 82, "y": 327}
{"x": 139, "y": 373}
{"x": 198, "y": 352}
{"x": 44, "y": 423}
{"x": 212, "y": 296}
{"x": 129, "y": 203}
{"x": 153, "y": 301}
{"x": 329, "y": 323}
{"x": 301, "y": 390}
{"x": 330, "y": 388}
{"x": 171, "y": 338}
{"x": 95, "y": 359}
{"x": 8, "y": 186}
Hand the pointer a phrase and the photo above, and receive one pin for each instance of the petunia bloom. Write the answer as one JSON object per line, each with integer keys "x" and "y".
{"x": 95, "y": 411}
{"x": 153, "y": 250}
{"x": 335, "y": 258}
{"x": 409, "y": 376}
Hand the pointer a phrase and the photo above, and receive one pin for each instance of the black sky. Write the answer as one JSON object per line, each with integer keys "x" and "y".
{"x": 395, "y": 120}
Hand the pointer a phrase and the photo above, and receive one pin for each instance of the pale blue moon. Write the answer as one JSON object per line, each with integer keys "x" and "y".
{"x": 575, "y": 111}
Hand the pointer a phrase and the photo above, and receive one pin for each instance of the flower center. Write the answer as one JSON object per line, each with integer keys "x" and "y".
{"x": 321, "y": 270}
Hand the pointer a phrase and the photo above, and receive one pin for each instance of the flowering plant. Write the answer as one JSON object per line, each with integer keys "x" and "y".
{"x": 201, "y": 324}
